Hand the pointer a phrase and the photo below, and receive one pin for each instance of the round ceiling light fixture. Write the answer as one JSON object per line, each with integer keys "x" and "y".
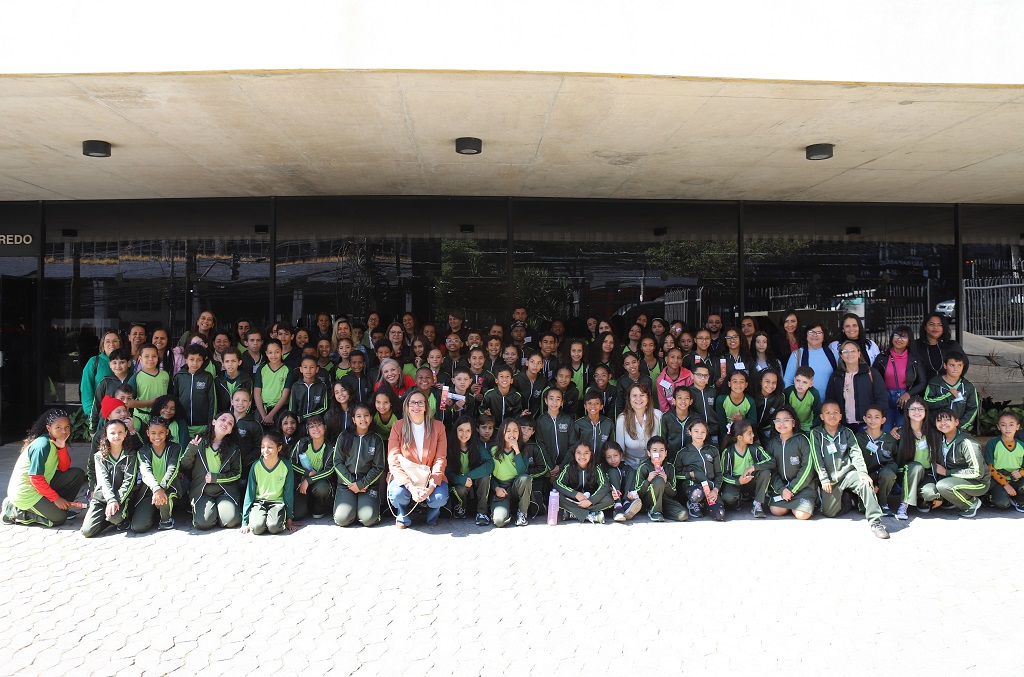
{"x": 819, "y": 151}
{"x": 94, "y": 148}
{"x": 468, "y": 145}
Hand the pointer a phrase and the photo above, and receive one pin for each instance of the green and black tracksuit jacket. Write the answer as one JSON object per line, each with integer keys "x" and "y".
{"x": 573, "y": 480}
{"x": 538, "y": 460}
{"x": 227, "y": 387}
{"x": 676, "y": 432}
{"x": 115, "y": 479}
{"x": 963, "y": 458}
{"x": 725, "y": 408}
{"x": 835, "y": 456}
{"x": 363, "y": 462}
{"x": 132, "y": 443}
{"x": 705, "y": 464}
{"x": 504, "y": 473}
{"x": 553, "y": 435}
{"x": 224, "y": 466}
{"x": 458, "y": 474}
{"x": 361, "y": 385}
{"x": 197, "y": 394}
{"x": 792, "y": 463}
{"x": 530, "y": 391}
{"x": 450, "y": 414}
{"x": 322, "y": 460}
{"x": 273, "y": 485}
{"x": 570, "y": 400}
{"x": 160, "y": 471}
{"x": 642, "y": 486}
{"x": 735, "y": 464}
{"x": 764, "y": 412}
{"x": 937, "y": 395}
{"x": 250, "y": 434}
{"x": 502, "y": 406}
{"x": 594, "y": 434}
{"x": 704, "y": 406}
{"x": 879, "y": 452}
{"x": 310, "y": 399}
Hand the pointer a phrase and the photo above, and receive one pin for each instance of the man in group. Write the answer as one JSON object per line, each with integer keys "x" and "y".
{"x": 714, "y": 326}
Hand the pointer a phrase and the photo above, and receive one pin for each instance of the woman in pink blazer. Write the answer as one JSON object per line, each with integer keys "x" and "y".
{"x": 417, "y": 457}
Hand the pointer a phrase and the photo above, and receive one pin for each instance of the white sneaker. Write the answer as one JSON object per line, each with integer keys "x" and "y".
{"x": 902, "y": 512}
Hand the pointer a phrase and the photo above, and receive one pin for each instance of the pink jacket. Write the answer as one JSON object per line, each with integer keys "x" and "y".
{"x": 434, "y": 455}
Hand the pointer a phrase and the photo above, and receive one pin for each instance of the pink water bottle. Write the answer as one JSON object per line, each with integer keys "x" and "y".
{"x": 553, "y": 507}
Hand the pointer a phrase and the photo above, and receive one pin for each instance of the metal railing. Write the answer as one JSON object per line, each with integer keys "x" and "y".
{"x": 994, "y": 307}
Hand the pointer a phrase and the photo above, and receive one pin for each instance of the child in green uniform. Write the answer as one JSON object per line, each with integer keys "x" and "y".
{"x": 214, "y": 463}
{"x": 272, "y": 384}
{"x": 248, "y": 429}
{"x": 150, "y": 382}
{"x": 112, "y": 409}
{"x": 879, "y": 449}
{"x": 675, "y": 423}
{"x": 231, "y": 379}
{"x": 570, "y": 395}
{"x": 962, "y": 473}
{"x": 593, "y": 428}
{"x": 158, "y": 467}
{"x": 602, "y": 385}
{"x": 530, "y": 384}
{"x": 656, "y": 484}
{"x": 578, "y": 368}
{"x": 120, "y": 365}
{"x": 553, "y": 431}
{"x": 736, "y": 405}
{"x": 746, "y": 469}
{"x": 585, "y": 492}
{"x": 915, "y": 459}
{"x": 386, "y": 404}
{"x": 703, "y": 398}
{"x": 792, "y": 483}
{"x": 951, "y": 390}
{"x": 43, "y": 483}
{"x": 309, "y": 395}
{"x": 766, "y": 402}
{"x": 359, "y": 461}
{"x": 502, "y": 401}
{"x": 195, "y": 389}
{"x": 1005, "y": 458}
{"x": 622, "y": 480}
{"x": 270, "y": 491}
{"x": 699, "y": 468}
{"x": 803, "y": 398}
{"x": 312, "y": 462}
{"x": 510, "y": 479}
{"x": 469, "y": 471}
{"x": 116, "y": 468}
{"x": 840, "y": 466}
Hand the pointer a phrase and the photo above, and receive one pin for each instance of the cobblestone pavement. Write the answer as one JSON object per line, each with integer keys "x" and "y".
{"x": 772, "y": 596}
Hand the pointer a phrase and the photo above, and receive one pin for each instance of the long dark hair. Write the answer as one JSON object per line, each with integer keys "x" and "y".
{"x": 336, "y": 418}
{"x": 104, "y": 446}
{"x": 161, "y": 402}
{"x": 499, "y": 437}
{"x": 38, "y": 428}
{"x": 614, "y": 362}
{"x": 230, "y": 442}
{"x": 473, "y": 447}
{"x": 922, "y": 334}
{"x": 349, "y": 435}
{"x": 585, "y": 478}
{"x": 907, "y": 444}
{"x": 861, "y": 340}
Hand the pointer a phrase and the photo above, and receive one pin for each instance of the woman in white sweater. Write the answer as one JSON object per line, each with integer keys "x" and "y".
{"x": 640, "y": 421}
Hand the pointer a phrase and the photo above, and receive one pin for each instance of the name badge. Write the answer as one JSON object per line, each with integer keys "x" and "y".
{"x": 872, "y": 446}
{"x": 830, "y": 448}
{"x": 922, "y": 444}
{"x": 667, "y": 386}
{"x": 739, "y": 366}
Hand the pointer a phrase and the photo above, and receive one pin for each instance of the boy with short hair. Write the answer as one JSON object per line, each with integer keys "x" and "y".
{"x": 501, "y": 401}
{"x": 196, "y": 390}
{"x": 309, "y": 395}
{"x": 964, "y": 476}
{"x": 703, "y": 397}
{"x": 1005, "y": 458}
{"x": 463, "y": 404}
{"x": 530, "y": 384}
{"x": 231, "y": 379}
{"x": 593, "y": 428}
{"x": 951, "y": 390}
{"x": 804, "y": 399}
{"x": 676, "y": 421}
{"x": 253, "y": 358}
{"x": 357, "y": 379}
{"x": 879, "y": 449}
{"x": 120, "y": 366}
{"x": 148, "y": 383}
{"x": 840, "y": 466}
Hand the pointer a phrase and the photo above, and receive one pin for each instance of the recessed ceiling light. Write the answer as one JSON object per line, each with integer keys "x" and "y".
{"x": 468, "y": 145}
{"x": 819, "y": 151}
{"x": 94, "y": 148}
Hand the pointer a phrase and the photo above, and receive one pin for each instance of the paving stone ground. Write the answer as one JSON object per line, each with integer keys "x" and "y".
{"x": 749, "y": 596}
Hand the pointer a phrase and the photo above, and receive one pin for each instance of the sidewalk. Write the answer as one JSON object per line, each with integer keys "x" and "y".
{"x": 747, "y": 596}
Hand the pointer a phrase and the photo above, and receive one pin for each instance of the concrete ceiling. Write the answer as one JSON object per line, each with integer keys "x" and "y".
{"x": 545, "y": 135}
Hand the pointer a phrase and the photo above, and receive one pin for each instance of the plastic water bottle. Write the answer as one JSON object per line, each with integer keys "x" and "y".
{"x": 553, "y": 507}
{"x": 305, "y": 462}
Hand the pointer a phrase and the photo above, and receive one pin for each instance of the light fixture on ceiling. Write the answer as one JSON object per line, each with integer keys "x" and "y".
{"x": 468, "y": 145}
{"x": 819, "y": 151}
{"x": 94, "y": 148}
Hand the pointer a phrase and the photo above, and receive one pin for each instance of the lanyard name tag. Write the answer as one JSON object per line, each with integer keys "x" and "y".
{"x": 872, "y": 446}
{"x": 667, "y": 386}
{"x": 831, "y": 448}
{"x": 959, "y": 398}
{"x": 739, "y": 366}
{"x": 922, "y": 444}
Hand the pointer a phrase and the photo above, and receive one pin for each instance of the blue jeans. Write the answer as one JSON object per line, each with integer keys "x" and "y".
{"x": 402, "y": 500}
{"x": 895, "y": 416}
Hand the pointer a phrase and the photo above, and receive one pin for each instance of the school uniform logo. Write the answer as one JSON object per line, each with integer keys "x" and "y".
{"x": 604, "y": 438}
{"x": 242, "y": 432}
{"x": 563, "y": 427}
{"x": 201, "y": 385}
{"x": 316, "y": 399}
{"x": 794, "y": 460}
{"x": 711, "y": 401}
{"x": 886, "y": 454}
{"x": 709, "y": 457}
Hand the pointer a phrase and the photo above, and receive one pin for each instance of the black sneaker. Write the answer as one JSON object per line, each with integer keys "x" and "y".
{"x": 1017, "y": 503}
{"x": 521, "y": 520}
{"x": 122, "y": 525}
{"x": 166, "y": 524}
{"x": 972, "y": 509}
{"x": 656, "y": 516}
{"x": 757, "y": 510}
{"x": 482, "y": 520}
{"x": 459, "y": 512}
{"x": 694, "y": 510}
{"x": 618, "y": 515}
{"x": 879, "y": 531}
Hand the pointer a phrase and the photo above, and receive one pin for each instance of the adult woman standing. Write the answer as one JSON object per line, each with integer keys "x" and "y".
{"x": 395, "y": 337}
{"x": 410, "y": 327}
{"x": 417, "y": 458}
{"x": 932, "y": 344}
{"x": 43, "y": 483}
{"x": 852, "y": 330}
{"x": 748, "y": 327}
{"x": 95, "y": 370}
{"x": 637, "y": 424}
{"x": 786, "y": 341}
{"x": 855, "y": 386}
{"x": 904, "y": 375}
{"x": 391, "y": 376}
{"x": 204, "y": 325}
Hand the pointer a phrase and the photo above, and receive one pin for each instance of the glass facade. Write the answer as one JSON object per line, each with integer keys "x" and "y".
{"x": 162, "y": 262}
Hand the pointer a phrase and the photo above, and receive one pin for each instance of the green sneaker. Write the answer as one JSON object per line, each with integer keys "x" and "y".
{"x": 10, "y": 513}
{"x": 655, "y": 516}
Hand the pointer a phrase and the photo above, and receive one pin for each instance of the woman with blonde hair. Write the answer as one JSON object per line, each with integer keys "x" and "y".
{"x": 417, "y": 458}
{"x": 639, "y": 422}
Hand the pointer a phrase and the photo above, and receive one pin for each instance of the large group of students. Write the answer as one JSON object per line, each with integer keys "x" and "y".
{"x": 259, "y": 428}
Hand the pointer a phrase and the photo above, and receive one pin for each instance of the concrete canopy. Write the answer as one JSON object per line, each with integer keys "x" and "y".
{"x": 544, "y": 135}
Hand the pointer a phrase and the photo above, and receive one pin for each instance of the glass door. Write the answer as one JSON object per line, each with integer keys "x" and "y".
{"x": 18, "y": 366}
